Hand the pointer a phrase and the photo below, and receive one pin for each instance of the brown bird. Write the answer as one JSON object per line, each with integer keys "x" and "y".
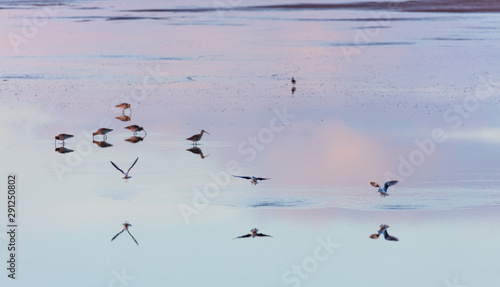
{"x": 62, "y": 137}
{"x": 102, "y": 131}
{"x": 124, "y": 106}
{"x": 197, "y": 137}
{"x": 135, "y": 129}
{"x": 293, "y": 81}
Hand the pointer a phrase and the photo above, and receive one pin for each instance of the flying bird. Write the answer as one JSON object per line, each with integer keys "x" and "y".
{"x": 197, "y": 137}
{"x": 254, "y": 180}
{"x": 383, "y": 190}
{"x": 62, "y": 137}
{"x": 383, "y": 230}
{"x": 125, "y": 175}
{"x": 135, "y": 129}
{"x": 103, "y": 132}
{"x": 126, "y": 225}
{"x": 253, "y": 233}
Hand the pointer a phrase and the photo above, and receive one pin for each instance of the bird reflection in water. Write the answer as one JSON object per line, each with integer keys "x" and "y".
{"x": 123, "y": 118}
{"x": 293, "y": 90}
{"x": 197, "y": 150}
{"x": 135, "y": 139}
{"x": 383, "y": 230}
{"x": 102, "y": 143}
{"x": 253, "y": 233}
{"x": 63, "y": 150}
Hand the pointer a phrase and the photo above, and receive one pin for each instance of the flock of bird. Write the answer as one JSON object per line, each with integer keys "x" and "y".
{"x": 382, "y": 190}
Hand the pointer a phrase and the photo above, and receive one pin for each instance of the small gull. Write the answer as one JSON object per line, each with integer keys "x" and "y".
{"x": 254, "y": 180}
{"x": 125, "y": 175}
{"x": 383, "y": 190}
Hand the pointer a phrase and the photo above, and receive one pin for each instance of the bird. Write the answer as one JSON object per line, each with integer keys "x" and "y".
{"x": 293, "y": 90}
{"x": 102, "y": 131}
{"x": 125, "y": 175}
{"x": 293, "y": 81}
{"x": 63, "y": 150}
{"x": 124, "y": 106}
{"x": 102, "y": 144}
{"x": 254, "y": 180}
{"x": 383, "y": 190}
{"x": 197, "y": 137}
{"x": 197, "y": 150}
{"x": 123, "y": 118}
{"x": 62, "y": 137}
{"x": 126, "y": 225}
{"x": 253, "y": 233}
{"x": 383, "y": 230}
{"x": 135, "y": 129}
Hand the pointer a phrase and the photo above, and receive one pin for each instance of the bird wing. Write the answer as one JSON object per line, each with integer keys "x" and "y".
{"x": 132, "y": 237}
{"x": 390, "y": 183}
{"x": 116, "y": 167}
{"x": 243, "y": 236}
{"x": 117, "y": 235}
{"x": 388, "y": 237}
{"x": 261, "y": 178}
{"x": 374, "y": 184}
{"x": 132, "y": 165}
{"x": 245, "y": 177}
{"x": 262, "y": 235}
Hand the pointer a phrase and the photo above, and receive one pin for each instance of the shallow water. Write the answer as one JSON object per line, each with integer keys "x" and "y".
{"x": 383, "y": 91}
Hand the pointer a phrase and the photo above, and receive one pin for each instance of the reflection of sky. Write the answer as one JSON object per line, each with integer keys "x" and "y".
{"x": 352, "y": 120}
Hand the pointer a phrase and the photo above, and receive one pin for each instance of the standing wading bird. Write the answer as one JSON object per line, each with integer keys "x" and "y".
{"x": 62, "y": 137}
{"x": 124, "y": 106}
{"x": 293, "y": 81}
{"x": 254, "y": 180}
{"x": 126, "y": 225}
{"x": 135, "y": 129}
{"x": 103, "y": 132}
{"x": 197, "y": 137}
{"x": 253, "y": 234}
{"x": 383, "y": 191}
{"x": 383, "y": 230}
{"x": 125, "y": 175}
